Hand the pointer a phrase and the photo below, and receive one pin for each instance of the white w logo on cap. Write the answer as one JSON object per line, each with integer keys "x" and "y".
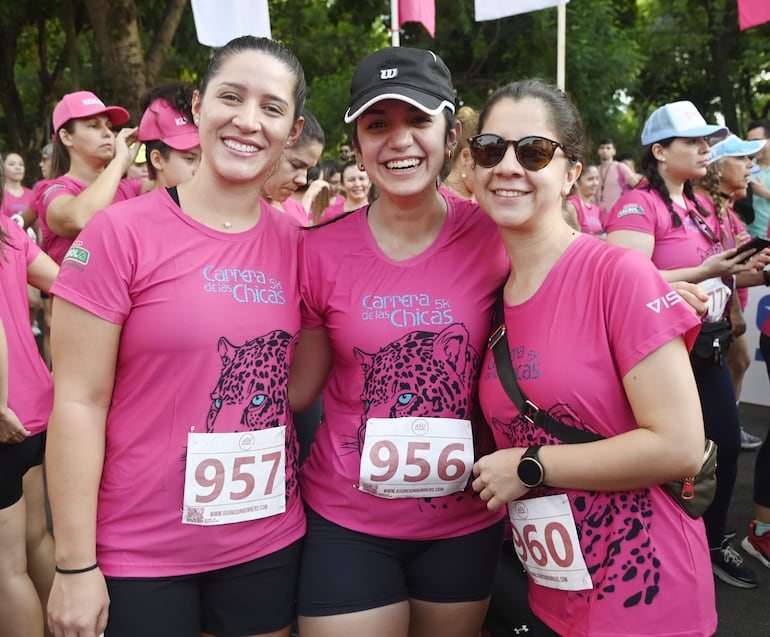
{"x": 388, "y": 74}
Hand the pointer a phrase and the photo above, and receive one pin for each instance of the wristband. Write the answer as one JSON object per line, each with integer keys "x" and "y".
{"x": 766, "y": 277}
{"x": 76, "y": 571}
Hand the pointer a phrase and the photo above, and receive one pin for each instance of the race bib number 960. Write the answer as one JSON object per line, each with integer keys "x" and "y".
{"x": 546, "y": 541}
{"x": 234, "y": 477}
{"x": 416, "y": 457}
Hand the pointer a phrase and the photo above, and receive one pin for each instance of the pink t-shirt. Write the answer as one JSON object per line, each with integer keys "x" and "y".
{"x": 684, "y": 246}
{"x": 407, "y": 340}
{"x": 590, "y": 215}
{"x": 613, "y": 182}
{"x": 209, "y": 323}
{"x": 332, "y": 211}
{"x": 16, "y": 205}
{"x": 52, "y": 243}
{"x": 295, "y": 211}
{"x": 640, "y": 548}
{"x": 30, "y": 389}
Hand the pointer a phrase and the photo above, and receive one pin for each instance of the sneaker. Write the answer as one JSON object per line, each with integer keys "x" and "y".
{"x": 749, "y": 441}
{"x": 728, "y": 566}
{"x": 757, "y": 545}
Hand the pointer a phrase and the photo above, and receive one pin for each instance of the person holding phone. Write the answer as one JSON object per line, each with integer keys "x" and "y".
{"x": 664, "y": 219}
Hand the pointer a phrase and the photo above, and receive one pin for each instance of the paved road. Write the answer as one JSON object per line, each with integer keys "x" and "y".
{"x": 744, "y": 612}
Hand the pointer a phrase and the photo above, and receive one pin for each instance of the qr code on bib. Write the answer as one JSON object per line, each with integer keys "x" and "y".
{"x": 194, "y": 515}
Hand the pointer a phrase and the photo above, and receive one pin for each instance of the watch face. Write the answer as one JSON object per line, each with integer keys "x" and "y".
{"x": 530, "y": 472}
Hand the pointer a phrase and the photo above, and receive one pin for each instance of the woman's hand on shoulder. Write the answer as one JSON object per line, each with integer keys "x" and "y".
{"x": 496, "y": 477}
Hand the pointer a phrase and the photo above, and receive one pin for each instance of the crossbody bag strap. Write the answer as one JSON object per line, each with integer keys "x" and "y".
{"x": 498, "y": 343}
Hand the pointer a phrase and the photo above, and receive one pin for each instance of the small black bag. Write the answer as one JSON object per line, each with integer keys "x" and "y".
{"x": 693, "y": 494}
{"x": 712, "y": 342}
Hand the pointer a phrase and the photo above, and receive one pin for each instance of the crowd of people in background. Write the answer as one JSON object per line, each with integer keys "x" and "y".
{"x": 259, "y": 366}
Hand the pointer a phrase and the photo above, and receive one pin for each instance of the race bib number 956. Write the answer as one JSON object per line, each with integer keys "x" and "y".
{"x": 234, "y": 477}
{"x": 416, "y": 457}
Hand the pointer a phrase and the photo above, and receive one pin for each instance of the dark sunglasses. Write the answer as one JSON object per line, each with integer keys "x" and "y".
{"x": 533, "y": 153}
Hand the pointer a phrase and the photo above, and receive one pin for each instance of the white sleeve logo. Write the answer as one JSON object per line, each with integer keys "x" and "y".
{"x": 663, "y": 302}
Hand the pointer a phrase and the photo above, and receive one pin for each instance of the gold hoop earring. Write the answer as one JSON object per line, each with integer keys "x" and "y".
{"x": 449, "y": 153}
{"x": 361, "y": 168}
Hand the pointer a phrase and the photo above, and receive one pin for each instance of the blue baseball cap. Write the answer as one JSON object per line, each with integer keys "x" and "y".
{"x": 734, "y": 146}
{"x": 678, "y": 119}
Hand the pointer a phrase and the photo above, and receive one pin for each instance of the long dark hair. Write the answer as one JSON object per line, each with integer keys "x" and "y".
{"x": 656, "y": 183}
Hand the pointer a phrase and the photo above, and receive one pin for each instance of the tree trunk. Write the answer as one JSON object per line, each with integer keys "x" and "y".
{"x": 9, "y": 96}
{"x": 161, "y": 43}
{"x": 117, "y": 32}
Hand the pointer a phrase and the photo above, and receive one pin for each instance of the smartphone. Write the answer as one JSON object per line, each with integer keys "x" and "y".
{"x": 758, "y": 244}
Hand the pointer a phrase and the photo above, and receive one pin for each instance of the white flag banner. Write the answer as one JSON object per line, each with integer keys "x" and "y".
{"x": 494, "y": 9}
{"x": 219, "y": 21}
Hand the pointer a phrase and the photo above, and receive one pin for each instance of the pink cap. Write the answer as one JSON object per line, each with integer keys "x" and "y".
{"x": 85, "y": 104}
{"x": 162, "y": 122}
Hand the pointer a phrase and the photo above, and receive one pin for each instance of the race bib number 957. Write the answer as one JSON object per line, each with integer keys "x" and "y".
{"x": 234, "y": 477}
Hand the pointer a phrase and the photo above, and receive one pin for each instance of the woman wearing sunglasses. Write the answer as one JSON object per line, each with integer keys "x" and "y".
{"x": 677, "y": 230}
{"x": 402, "y": 291}
{"x": 608, "y": 552}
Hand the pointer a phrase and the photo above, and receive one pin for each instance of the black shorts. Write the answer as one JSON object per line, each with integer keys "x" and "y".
{"x": 344, "y": 571}
{"x": 15, "y": 461}
{"x": 246, "y": 599}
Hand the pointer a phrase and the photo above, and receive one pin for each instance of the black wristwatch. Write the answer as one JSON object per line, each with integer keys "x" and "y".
{"x": 531, "y": 470}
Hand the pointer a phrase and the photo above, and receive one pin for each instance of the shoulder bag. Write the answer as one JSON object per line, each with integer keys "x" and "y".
{"x": 693, "y": 494}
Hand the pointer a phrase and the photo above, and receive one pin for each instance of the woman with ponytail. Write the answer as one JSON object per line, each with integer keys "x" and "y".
{"x": 663, "y": 218}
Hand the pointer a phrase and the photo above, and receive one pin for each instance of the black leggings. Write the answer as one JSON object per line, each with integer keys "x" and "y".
{"x": 762, "y": 466}
{"x": 722, "y": 425}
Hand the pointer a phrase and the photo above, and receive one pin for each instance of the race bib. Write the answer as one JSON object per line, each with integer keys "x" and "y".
{"x": 546, "y": 541}
{"x": 416, "y": 457}
{"x": 234, "y": 477}
{"x": 719, "y": 295}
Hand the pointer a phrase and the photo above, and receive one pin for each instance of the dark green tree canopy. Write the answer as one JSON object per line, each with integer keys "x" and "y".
{"x": 624, "y": 57}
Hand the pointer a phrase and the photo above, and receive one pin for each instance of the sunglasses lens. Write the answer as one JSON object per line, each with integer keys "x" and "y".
{"x": 487, "y": 150}
{"x": 535, "y": 153}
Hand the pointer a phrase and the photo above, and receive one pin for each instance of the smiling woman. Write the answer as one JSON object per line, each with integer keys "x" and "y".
{"x": 623, "y": 540}
{"x": 399, "y": 296}
{"x": 188, "y": 299}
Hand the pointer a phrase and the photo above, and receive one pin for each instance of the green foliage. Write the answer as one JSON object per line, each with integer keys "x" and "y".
{"x": 329, "y": 37}
{"x": 623, "y": 58}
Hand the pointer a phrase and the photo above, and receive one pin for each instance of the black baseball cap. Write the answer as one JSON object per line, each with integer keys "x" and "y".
{"x": 415, "y": 76}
